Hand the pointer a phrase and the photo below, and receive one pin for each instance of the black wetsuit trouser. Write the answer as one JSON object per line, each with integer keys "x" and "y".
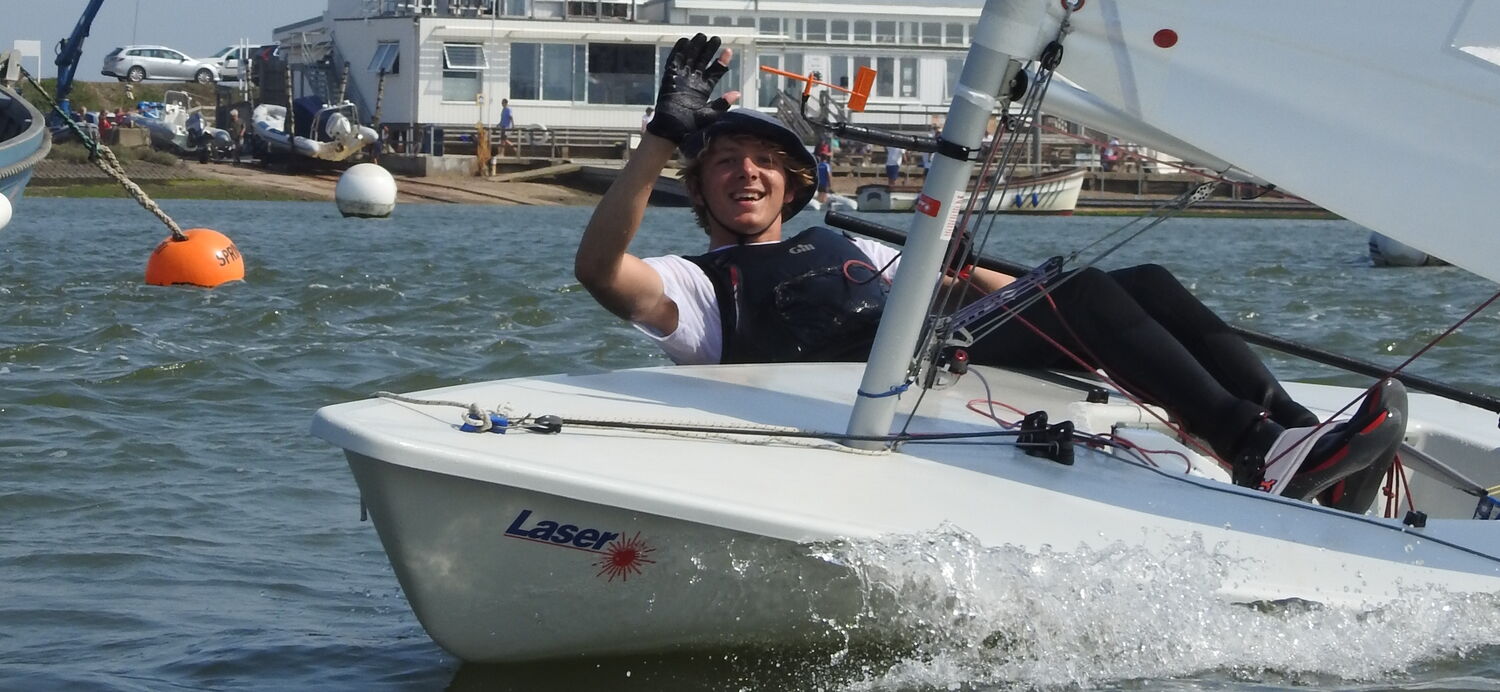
{"x": 1158, "y": 341}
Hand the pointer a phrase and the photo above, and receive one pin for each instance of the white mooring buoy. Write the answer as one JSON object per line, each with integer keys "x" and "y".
{"x": 4, "y": 211}
{"x": 366, "y": 191}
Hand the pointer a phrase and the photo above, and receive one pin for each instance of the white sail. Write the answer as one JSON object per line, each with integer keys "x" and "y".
{"x": 1378, "y": 111}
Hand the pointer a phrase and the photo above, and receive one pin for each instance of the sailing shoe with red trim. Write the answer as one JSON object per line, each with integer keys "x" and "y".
{"x": 1356, "y": 492}
{"x": 1304, "y": 462}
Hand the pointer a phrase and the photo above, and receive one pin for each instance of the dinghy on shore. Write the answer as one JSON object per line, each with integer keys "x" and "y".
{"x": 321, "y": 131}
{"x": 177, "y": 125}
{"x": 675, "y": 508}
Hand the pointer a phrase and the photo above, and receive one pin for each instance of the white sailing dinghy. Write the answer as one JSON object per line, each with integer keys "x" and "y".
{"x": 673, "y": 507}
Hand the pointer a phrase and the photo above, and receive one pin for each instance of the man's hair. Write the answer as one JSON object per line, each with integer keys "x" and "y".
{"x": 797, "y": 176}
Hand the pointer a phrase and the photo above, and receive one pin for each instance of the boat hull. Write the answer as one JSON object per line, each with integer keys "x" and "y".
{"x": 24, "y": 142}
{"x": 732, "y": 528}
{"x": 1055, "y": 193}
{"x": 492, "y": 581}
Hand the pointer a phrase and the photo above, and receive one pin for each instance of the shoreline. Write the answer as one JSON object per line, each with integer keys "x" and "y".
{"x": 224, "y": 181}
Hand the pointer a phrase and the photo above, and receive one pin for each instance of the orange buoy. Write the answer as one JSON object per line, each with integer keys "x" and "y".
{"x": 205, "y": 258}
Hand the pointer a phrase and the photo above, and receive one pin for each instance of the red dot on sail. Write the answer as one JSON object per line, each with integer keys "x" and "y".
{"x": 1166, "y": 38}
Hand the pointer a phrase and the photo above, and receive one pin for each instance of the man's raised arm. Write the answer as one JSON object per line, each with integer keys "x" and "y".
{"x": 621, "y": 282}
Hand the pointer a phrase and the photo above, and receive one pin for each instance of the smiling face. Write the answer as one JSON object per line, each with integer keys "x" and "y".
{"x": 742, "y": 187}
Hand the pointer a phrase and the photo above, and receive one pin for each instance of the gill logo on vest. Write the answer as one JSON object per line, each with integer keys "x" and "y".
{"x": 799, "y": 249}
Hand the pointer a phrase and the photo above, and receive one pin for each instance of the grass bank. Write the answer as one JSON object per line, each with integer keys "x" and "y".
{"x": 97, "y": 96}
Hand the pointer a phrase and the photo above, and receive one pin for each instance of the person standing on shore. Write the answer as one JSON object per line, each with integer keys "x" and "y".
{"x": 507, "y": 123}
{"x": 236, "y": 133}
{"x": 894, "y": 156}
{"x": 824, "y": 155}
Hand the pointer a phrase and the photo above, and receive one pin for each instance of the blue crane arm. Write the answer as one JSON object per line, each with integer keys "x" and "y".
{"x": 70, "y": 50}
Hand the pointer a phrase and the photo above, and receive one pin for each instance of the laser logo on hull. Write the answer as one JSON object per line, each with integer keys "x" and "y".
{"x": 618, "y": 557}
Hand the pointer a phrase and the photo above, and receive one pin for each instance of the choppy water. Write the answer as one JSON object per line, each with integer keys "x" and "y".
{"x": 166, "y": 522}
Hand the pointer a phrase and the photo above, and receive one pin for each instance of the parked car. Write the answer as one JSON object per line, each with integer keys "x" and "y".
{"x": 137, "y": 63}
{"x": 228, "y": 59}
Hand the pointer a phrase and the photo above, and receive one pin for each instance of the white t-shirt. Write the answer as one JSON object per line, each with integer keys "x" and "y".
{"x": 699, "y": 337}
{"x": 893, "y": 156}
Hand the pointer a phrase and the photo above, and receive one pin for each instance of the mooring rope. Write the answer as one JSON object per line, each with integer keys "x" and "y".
{"x": 105, "y": 159}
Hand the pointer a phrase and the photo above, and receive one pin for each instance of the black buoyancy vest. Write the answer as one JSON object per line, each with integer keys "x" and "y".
{"x": 812, "y": 297}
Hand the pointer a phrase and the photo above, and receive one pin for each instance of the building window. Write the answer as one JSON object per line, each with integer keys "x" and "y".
{"x": 797, "y": 33}
{"x": 793, "y": 62}
{"x": 861, "y": 31}
{"x": 747, "y": 22}
{"x": 723, "y": 21}
{"x": 460, "y": 85}
{"x": 464, "y": 56}
{"x": 516, "y": 8}
{"x": 838, "y": 71}
{"x": 932, "y": 33}
{"x": 954, "y": 34}
{"x": 547, "y": 71}
{"x": 955, "y": 68}
{"x": 525, "y": 71}
{"x": 562, "y": 72}
{"x": 592, "y": 8}
{"x": 893, "y": 79}
{"x": 770, "y": 26}
{"x": 817, "y": 30}
{"x": 730, "y": 81}
{"x": 885, "y": 32}
{"x": 621, "y": 73}
{"x": 909, "y": 33}
{"x": 387, "y": 59}
{"x": 770, "y": 84}
{"x": 698, "y": 19}
{"x": 885, "y": 77}
{"x": 463, "y": 66}
{"x": 838, "y": 30}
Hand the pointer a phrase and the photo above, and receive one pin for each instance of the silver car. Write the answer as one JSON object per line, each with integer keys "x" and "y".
{"x": 137, "y": 63}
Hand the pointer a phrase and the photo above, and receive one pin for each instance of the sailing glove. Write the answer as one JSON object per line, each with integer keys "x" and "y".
{"x": 682, "y": 104}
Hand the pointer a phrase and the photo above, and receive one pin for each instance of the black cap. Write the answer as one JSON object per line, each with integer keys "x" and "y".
{"x": 748, "y": 121}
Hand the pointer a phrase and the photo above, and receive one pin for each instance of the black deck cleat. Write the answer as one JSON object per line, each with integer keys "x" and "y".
{"x": 547, "y": 425}
{"x": 1053, "y": 442}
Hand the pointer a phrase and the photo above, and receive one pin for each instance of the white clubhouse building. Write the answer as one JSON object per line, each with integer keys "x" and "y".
{"x": 596, "y": 63}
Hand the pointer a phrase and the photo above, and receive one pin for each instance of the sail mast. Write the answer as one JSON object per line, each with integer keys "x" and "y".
{"x": 1010, "y": 32}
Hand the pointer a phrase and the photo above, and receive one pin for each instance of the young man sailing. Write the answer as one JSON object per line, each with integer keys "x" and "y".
{"x": 817, "y": 296}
